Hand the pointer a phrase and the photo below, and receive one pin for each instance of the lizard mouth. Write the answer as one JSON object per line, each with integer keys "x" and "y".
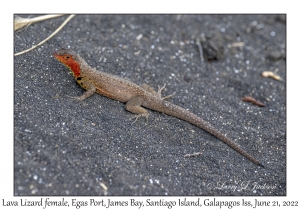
{"x": 58, "y": 57}
{"x": 55, "y": 55}
{"x": 68, "y": 61}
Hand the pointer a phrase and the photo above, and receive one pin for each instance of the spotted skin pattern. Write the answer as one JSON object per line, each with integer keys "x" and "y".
{"x": 135, "y": 97}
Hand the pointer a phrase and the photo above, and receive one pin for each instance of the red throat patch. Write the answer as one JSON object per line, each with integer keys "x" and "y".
{"x": 68, "y": 61}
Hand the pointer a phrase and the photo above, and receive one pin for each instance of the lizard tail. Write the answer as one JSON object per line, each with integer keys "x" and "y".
{"x": 176, "y": 111}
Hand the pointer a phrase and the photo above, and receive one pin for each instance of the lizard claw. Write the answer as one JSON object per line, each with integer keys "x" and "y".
{"x": 160, "y": 89}
{"x": 169, "y": 96}
{"x": 77, "y": 98}
{"x": 140, "y": 115}
{"x": 159, "y": 92}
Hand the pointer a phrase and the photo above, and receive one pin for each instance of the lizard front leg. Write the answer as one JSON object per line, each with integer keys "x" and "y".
{"x": 134, "y": 106}
{"x": 90, "y": 90}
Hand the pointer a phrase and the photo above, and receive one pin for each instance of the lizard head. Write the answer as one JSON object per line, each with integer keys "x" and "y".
{"x": 69, "y": 59}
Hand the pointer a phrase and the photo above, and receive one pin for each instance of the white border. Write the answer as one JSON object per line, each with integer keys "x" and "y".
{"x": 154, "y": 6}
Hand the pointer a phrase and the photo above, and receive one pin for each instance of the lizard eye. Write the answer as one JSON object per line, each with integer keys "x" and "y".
{"x": 67, "y": 57}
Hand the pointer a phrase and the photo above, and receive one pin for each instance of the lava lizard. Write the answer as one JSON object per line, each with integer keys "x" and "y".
{"x": 135, "y": 97}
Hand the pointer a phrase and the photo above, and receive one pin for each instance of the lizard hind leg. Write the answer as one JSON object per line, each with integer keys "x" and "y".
{"x": 158, "y": 92}
{"x": 134, "y": 106}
